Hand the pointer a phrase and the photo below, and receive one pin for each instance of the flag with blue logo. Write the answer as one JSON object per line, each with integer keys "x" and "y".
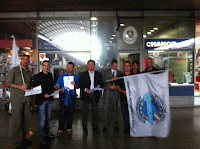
{"x": 148, "y": 103}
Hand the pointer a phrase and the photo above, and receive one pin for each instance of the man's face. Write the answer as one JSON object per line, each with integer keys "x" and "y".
{"x": 46, "y": 67}
{"x": 25, "y": 61}
{"x": 127, "y": 67}
{"x": 135, "y": 66}
{"x": 149, "y": 63}
{"x": 90, "y": 66}
{"x": 114, "y": 66}
{"x": 70, "y": 68}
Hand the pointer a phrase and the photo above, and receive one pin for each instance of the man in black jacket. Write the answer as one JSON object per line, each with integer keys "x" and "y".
{"x": 89, "y": 80}
{"x": 44, "y": 100}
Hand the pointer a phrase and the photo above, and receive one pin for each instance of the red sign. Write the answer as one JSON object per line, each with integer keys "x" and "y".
{"x": 20, "y": 43}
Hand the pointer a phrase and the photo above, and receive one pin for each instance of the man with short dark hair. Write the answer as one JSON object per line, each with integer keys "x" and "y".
{"x": 135, "y": 66}
{"x": 149, "y": 64}
{"x": 44, "y": 100}
{"x": 21, "y": 107}
{"x": 111, "y": 96}
{"x": 123, "y": 99}
{"x": 67, "y": 104}
{"x": 89, "y": 80}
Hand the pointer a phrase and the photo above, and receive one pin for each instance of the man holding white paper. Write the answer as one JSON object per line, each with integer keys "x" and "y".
{"x": 69, "y": 81}
{"x": 44, "y": 100}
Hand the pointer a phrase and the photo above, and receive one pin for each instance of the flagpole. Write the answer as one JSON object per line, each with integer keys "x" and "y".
{"x": 22, "y": 74}
{"x": 138, "y": 74}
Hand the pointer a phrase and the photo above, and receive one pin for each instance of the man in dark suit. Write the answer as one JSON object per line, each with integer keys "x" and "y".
{"x": 111, "y": 96}
{"x": 89, "y": 80}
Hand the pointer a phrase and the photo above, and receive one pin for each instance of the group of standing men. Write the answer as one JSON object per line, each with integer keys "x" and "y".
{"x": 21, "y": 115}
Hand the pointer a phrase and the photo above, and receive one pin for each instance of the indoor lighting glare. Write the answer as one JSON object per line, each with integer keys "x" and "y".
{"x": 112, "y": 38}
{"x": 121, "y": 24}
{"x": 151, "y": 30}
{"x": 155, "y": 28}
{"x": 149, "y": 33}
{"x": 144, "y": 36}
{"x": 93, "y": 18}
{"x": 94, "y": 25}
{"x": 82, "y": 27}
{"x": 113, "y": 35}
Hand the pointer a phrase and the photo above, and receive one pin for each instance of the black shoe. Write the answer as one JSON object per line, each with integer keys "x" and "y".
{"x": 116, "y": 128}
{"x": 85, "y": 129}
{"x": 27, "y": 143}
{"x": 126, "y": 130}
{"x": 96, "y": 129}
{"x": 43, "y": 141}
{"x": 105, "y": 129}
{"x": 50, "y": 135}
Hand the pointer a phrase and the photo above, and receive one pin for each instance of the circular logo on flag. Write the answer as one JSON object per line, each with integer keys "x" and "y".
{"x": 130, "y": 35}
{"x": 180, "y": 54}
{"x": 151, "y": 109}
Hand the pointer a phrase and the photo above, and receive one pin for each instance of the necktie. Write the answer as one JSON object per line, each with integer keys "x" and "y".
{"x": 113, "y": 75}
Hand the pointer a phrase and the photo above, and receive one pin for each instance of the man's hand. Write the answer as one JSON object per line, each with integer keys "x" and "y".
{"x": 88, "y": 91}
{"x": 73, "y": 83}
{"x": 10, "y": 111}
{"x": 46, "y": 96}
{"x": 115, "y": 78}
{"x": 22, "y": 87}
{"x": 112, "y": 87}
{"x": 124, "y": 91}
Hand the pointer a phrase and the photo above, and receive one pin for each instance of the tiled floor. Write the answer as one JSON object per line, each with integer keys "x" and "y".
{"x": 185, "y": 133}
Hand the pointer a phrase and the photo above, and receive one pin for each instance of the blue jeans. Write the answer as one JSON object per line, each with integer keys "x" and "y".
{"x": 69, "y": 112}
{"x": 44, "y": 114}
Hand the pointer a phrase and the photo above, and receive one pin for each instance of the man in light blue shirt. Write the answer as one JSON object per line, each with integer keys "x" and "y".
{"x": 67, "y": 104}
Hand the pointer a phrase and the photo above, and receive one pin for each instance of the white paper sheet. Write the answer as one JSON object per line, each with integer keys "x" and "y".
{"x": 67, "y": 82}
{"x": 34, "y": 91}
{"x": 96, "y": 88}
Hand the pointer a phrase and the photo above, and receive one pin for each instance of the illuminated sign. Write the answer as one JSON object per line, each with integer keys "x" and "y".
{"x": 151, "y": 44}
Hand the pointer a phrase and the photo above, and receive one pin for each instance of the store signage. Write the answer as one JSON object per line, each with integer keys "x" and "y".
{"x": 151, "y": 44}
{"x": 46, "y": 46}
{"x": 130, "y": 35}
{"x": 180, "y": 54}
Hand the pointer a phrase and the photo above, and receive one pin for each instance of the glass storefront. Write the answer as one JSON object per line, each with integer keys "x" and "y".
{"x": 78, "y": 36}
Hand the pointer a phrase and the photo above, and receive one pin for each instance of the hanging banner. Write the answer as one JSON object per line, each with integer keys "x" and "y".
{"x": 148, "y": 102}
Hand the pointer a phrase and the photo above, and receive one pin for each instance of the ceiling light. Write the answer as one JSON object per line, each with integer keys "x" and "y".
{"x": 144, "y": 36}
{"x": 94, "y": 25}
{"x": 113, "y": 35}
{"x": 122, "y": 24}
{"x": 155, "y": 28}
{"x": 151, "y": 30}
{"x": 112, "y": 38}
{"x": 82, "y": 27}
{"x": 94, "y": 30}
{"x": 149, "y": 33}
{"x": 93, "y": 18}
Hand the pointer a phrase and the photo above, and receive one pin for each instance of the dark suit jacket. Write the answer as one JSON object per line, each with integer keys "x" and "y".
{"x": 108, "y": 76}
{"x": 85, "y": 82}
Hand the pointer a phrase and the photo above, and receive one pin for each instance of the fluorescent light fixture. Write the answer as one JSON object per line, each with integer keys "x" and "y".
{"x": 113, "y": 35}
{"x": 149, "y": 33}
{"x": 155, "y": 28}
{"x": 94, "y": 25}
{"x": 26, "y": 48}
{"x": 112, "y": 38}
{"x": 94, "y": 30}
{"x": 82, "y": 27}
{"x": 93, "y": 18}
{"x": 151, "y": 30}
{"x": 144, "y": 36}
{"x": 110, "y": 41}
{"x": 122, "y": 24}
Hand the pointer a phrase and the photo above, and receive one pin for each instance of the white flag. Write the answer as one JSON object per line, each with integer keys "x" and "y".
{"x": 148, "y": 103}
{"x": 15, "y": 49}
